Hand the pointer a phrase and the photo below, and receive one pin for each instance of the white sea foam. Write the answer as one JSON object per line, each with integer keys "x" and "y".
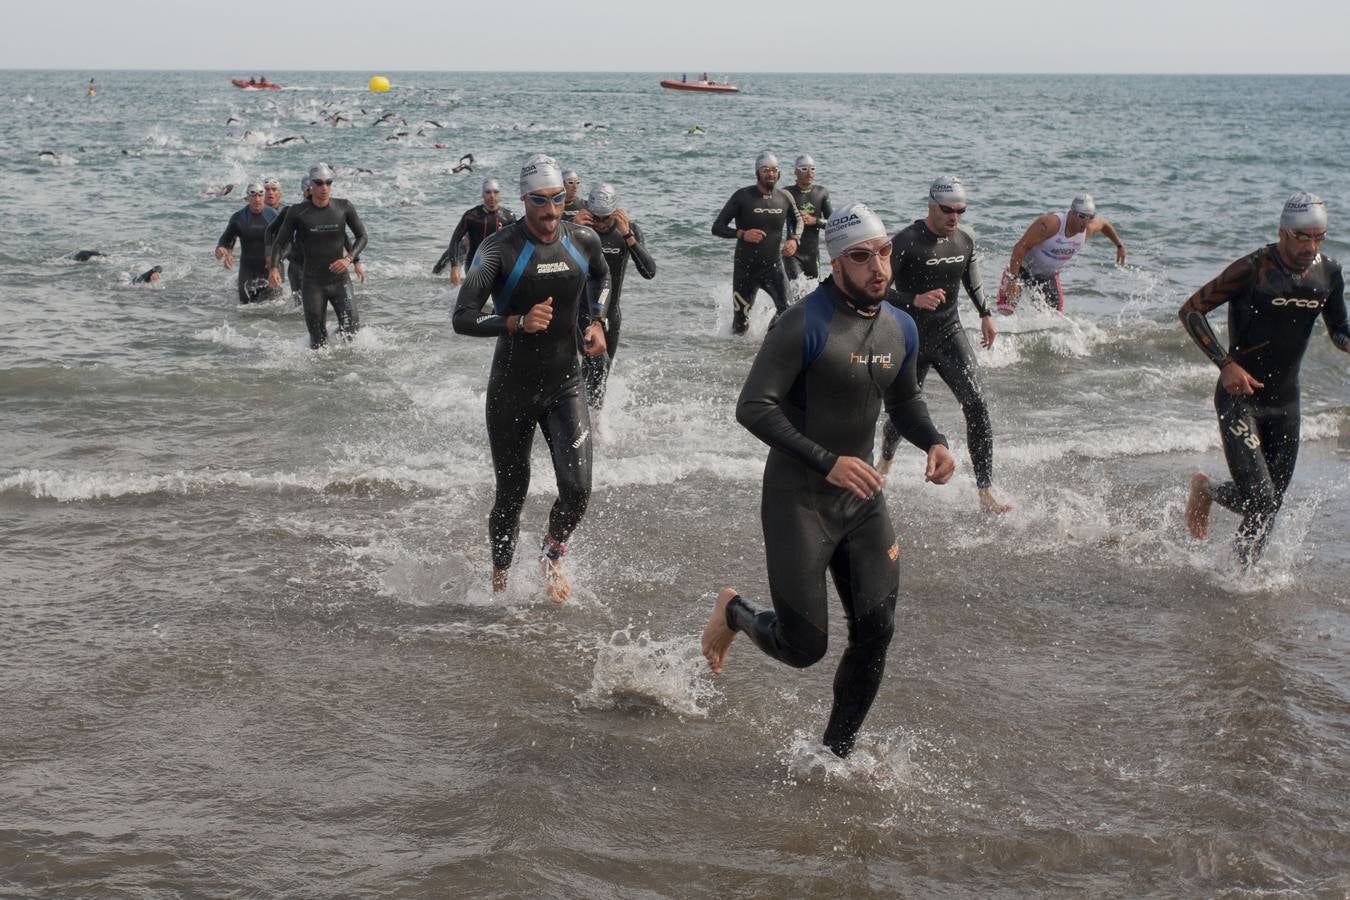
{"x": 668, "y": 674}
{"x": 876, "y": 762}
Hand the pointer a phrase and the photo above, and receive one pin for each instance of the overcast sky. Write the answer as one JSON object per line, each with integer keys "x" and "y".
{"x": 717, "y": 35}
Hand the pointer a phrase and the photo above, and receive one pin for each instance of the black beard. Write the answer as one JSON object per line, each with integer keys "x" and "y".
{"x": 857, "y": 293}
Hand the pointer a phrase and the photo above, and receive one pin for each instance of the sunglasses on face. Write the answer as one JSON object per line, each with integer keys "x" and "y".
{"x": 557, "y": 199}
{"x": 1086, "y": 217}
{"x": 320, "y": 182}
{"x": 951, "y": 210}
{"x": 773, "y": 171}
{"x": 1310, "y": 237}
{"x": 863, "y": 256}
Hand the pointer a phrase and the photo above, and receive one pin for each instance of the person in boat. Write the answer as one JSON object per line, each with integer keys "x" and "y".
{"x": 1046, "y": 248}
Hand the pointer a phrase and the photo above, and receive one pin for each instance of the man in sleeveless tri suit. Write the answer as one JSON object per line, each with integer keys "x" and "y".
{"x": 1046, "y": 248}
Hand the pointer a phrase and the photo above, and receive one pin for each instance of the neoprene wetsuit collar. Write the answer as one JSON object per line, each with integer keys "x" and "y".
{"x": 837, "y": 294}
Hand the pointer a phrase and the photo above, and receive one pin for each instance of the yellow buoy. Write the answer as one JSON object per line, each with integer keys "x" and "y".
{"x": 379, "y": 84}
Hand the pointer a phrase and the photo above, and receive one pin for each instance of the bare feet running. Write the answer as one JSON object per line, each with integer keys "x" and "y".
{"x": 717, "y": 636}
{"x": 991, "y": 504}
{"x": 1197, "y": 506}
{"x": 498, "y": 580}
{"x": 556, "y": 584}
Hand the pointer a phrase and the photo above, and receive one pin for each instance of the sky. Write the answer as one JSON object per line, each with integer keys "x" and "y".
{"x": 1086, "y": 36}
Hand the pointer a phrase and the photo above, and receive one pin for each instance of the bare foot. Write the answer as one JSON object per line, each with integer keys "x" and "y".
{"x": 1197, "y": 506}
{"x": 991, "y": 504}
{"x": 884, "y": 466}
{"x": 556, "y": 584}
{"x": 498, "y": 580}
{"x": 717, "y": 636}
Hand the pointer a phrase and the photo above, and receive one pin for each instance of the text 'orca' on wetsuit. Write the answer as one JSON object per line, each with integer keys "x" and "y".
{"x": 535, "y": 377}
{"x": 617, "y": 253}
{"x": 251, "y": 231}
{"x": 758, "y": 265}
{"x": 814, "y": 201}
{"x": 322, "y": 235}
{"x": 921, "y": 261}
{"x": 813, "y": 394}
{"x": 1271, "y": 311}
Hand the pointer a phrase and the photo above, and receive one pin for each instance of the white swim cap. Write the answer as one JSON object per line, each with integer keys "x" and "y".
{"x": 570, "y": 175}
{"x": 1304, "y": 211}
{"x": 253, "y": 188}
{"x": 603, "y": 200}
{"x": 539, "y": 173}
{"x": 490, "y": 186}
{"x": 804, "y": 162}
{"x": 851, "y": 226}
{"x": 1084, "y": 204}
{"x": 766, "y": 160}
{"x": 320, "y": 172}
{"x": 947, "y": 190}
{"x": 304, "y": 183}
{"x": 271, "y": 182}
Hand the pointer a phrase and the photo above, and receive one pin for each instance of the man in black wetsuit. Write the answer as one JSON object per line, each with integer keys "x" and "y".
{"x": 813, "y": 395}
{"x": 540, "y": 272}
{"x": 249, "y": 227}
{"x": 320, "y": 225}
{"x": 295, "y": 259}
{"x": 575, "y": 203}
{"x": 760, "y": 212}
{"x": 620, "y": 239}
{"x": 932, "y": 258}
{"x": 474, "y": 226}
{"x": 813, "y": 202}
{"x": 1274, "y": 296}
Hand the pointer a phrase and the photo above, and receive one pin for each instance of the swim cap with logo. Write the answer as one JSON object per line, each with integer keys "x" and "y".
{"x": 603, "y": 200}
{"x": 539, "y": 173}
{"x": 1304, "y": 211}
{"x": 1084, "y": 204}
{"x": 947, "y": 190}
{"x": 320, "y": 172}
{"x": 851, "y": 226}
{"x": 490, "y": 186}
{"x": 253, "y": 188}
{"x": 570, "y": 175}
{"x": 766, "y": 160}
{"x": 804, "y": 162}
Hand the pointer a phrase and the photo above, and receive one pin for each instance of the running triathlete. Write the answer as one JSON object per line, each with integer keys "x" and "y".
{"x": 474, "y": 227}
{"x": 320, "y": 226}
{"x": 249, "y": 227}
{"x": 540, "y": 272}
{"x": 932, "y": 258}
{"x": 760, "y": 212}
{"x": 272, "y": 193}
{"x": 1274, "y": 296}
{"x": 820, "y": 379}
{"x": 1046, "y": 248}
{"x": 575, "y": 203}
{"x": 813, "y": 202}
{"x": 620, "y": 239}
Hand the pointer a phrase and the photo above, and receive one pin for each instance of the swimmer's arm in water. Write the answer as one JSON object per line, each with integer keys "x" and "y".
{"x": 1105, "y": 227}
{"x": 904, "y": 398}
{"x": 1334, "y": 314}
{"x": 468, "y": 317}
{"x": 721, "y": 226}
{"x": 642, "y": 260}
{"x": 776, "y": 368}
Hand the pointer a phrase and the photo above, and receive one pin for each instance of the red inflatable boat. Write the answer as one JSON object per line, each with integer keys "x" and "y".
{"x": 255, "y": 85}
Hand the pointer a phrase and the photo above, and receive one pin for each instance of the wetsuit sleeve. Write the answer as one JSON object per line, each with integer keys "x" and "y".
{"x": 824, "y": 210}
{"x": 904, "y": 399}
{"x": 285, "y": 234}
{"x": 270, "y": 236}
{"x": 722, "y": 225}
{"x": 899, "y": 247}
{"x": 794, "y": 217}
{"x": 1232, "y": 283}
{"x": 456, "y": 248}
{"x": 468, "y": 317}
{"x": 642, "y": 260}
{"x": 358, "y": 232}
{"x": 1334, "y": 313}
{"x": 230, "y": 234}
{"x": 597, "y": 276}
{"x": 972, "y": 279}
{"x": 775, "y": 370}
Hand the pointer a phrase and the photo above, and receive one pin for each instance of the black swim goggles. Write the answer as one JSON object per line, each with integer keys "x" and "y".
{"x": 951, "y": 210}
{"x": 557, "y": 199}
{"x": 321, "y": 182}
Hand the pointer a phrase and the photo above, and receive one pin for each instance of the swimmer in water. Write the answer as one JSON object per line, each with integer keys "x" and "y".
{"x": 1274, "y": 297}
{"x": 148, "y": 277}
{"x": 1046, "y": 248}
{"x": 763, "y": 214}
{"x": 930, "y": 261}
{"x": 249, "y": 227}
{"x": 85, "y": 255}
{"x": 549, "y": 284}
{"x": 821, "y": 377}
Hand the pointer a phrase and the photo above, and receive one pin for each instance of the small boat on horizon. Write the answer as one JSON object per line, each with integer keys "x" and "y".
{"x": 705, "y": 84}
{"x": 254, "y": 84}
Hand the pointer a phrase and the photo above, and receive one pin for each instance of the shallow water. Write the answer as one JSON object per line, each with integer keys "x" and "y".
{"x": 250, "y": 649}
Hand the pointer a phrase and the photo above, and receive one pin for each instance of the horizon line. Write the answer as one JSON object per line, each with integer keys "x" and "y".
{"x": 720, "y": 72}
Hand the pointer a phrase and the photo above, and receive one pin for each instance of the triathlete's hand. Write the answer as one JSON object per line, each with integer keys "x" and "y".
{"x": 987, "y": 332}
{"x": 621, "y": 222}
{"x": 1238, "y": 381}
{"x": 538, "y": 317}
{"x": 854, "y": 474}
{"x": 941, "y": 465}
{"x": 456, "y": 275}
{"x": 790, "y": 247}
{"x": 593, "y": 341}
{"x": 225, "y": 256}
{"x": 1120, "y": 255}
{"x": 274, "y": 278}
{"x": 339, "y": 265}
{"x": 753, "y": 235}
{"x": 359, "y": 270}
{"x": 931, "y": 300}
{"x": 808, "y": 219}
{"x": 583, "y": 217}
